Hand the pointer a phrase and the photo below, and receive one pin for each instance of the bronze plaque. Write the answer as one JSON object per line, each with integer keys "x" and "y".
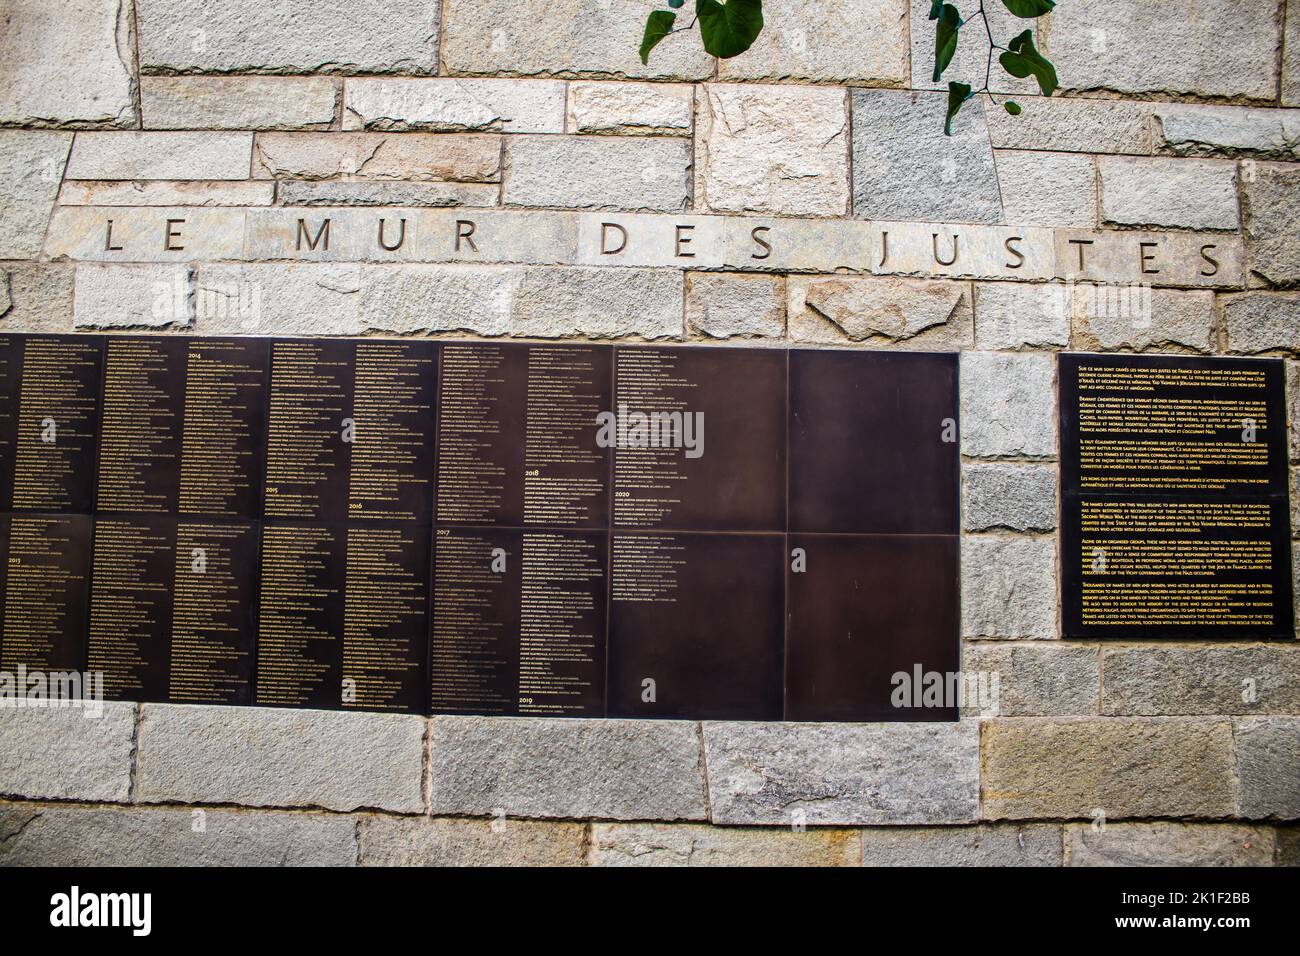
{"x": 45, "y": 598}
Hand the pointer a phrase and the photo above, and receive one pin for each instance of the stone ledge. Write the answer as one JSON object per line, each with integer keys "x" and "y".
{"x": 63, "y": 754}
{"x": 389, "y": 841}
{"x": 1035, "y": 844}
{"x": 1169, "y": 844}
{"x": 657, "y": 844}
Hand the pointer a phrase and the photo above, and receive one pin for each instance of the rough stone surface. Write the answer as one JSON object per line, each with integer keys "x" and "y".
{"x": 1045, "y": 679}
{"x": 63, "y": 754}
{"x": 41, "y": 43}
{"x": 1270, "y": 202}
{"x": 338, "y": 192}
{"x": 1168, "y": 844}
{"x": 1195, "y": 130}
{"x": 1075, "y": 125}
{"x": 842, "y": 774}
{"x": 289, "y": 36}
{"x": 1293, "y": 412}
{"x": 1257, "y": 323}
{"x": 1079, "y": 768}
{"x": 1268, "y": 767}
{"x": 279, "y": 299}
{"x": 1008, "y": 409}
{"x": 1222, "y": 50}
{"x": 1227, "y": 679}
{"x": 905, "y": 168}
{"x": 1008, "y": 587}
{"x": 151, "y": 295}
{"x": 36, "y": 297}
{"x": 597, "y": 172}
{"x": 856, "y": 41}
{"x": 525, "y": 767}
{"x": 1006, "y": 496}
{"x": 1047, "y": 189}
{"x": 82, "y": 233}
{"x": 540, "y": 37}
{"x": 386, "y": 841}
{"x": 513, "y": 106}
{"x": 1138, "y": 258}
{"x": 689, "y": 844}
{"x": 160, "y": 155}
{"x": 984, "y": 845}
{"x": 245, "y": 102}
{"x": 31, "y": 165}
{"x": 408, "y": 156}
{"x": 1291, "y": 57}
{"x": 971, "y": 57}
{"x": 598, "y": 303}
{"x": 145, "y": 192}
{"x": 728, "y": 305}
{"x": 1012, "y": 315}
{"x": 1288, "y": 846}
{"x": 881, "y": 312}
{"x": 1138, "y": 318}
{"x": 260, "y": 757}
{"x": 631, "y": 109}
{"x": 35, "y": 835}
{"x": 751, "y": 157}
{"x": 1181, "y": 193}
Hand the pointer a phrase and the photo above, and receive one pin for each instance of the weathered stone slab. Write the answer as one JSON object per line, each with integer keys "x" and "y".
{"x": 279, "y": 299}
{"x": 512, "y": 106}
{"x": 1291, "y": 57}
{"x": 1007, "y": 405}
{"x": 1085, "y": 767}
{"x": 137, "y": 295}
{"x": 289, "y": 36}
{"x": 242, "y": 103}
{"x": 1012, "y": 315}
{"x": 260, "y": 757}
{"x": 996, "y": 495}
{"x": 359, "y": 192}
{"x": 438, "y": 298}
{"x": 724, "y": 306}
{"x": 1196, "y": 130}
{"x": 37, "y": 835}
{"x": 36, "y": 297}
{"x": 63, "y": 753}
{"x": 598, "y": 303}
{"x": 905, "y": 168}
{"x": 1008, "y": 587}
{"x": 540, "y": 767}
{"x": 160, "y": 155}
{"x": 1168, "y": 844}
{"x": 799, "y": 245}
{"x": 1075, "y": 125}
{"x": 881, "y": 312}
{"x": 597, "y": 172}
{"x": 31, "y": 166}
{"x": 41, "y": 42}
{"x": 154, "y": 234}
{"x": 1047, "y": 189}
{"x": 146, "y": 192}
{"x": 1180, "y": 193}
{"x": 971, "y": 57}
{"x": 690, "y": 844}
{"x": 1259, "y": 323}
{"x": 683, "y": 241}
{"x": 1227, "y": 679}
{"x": 1293, "y": 410}
{"x": 1268, "y": 767}
{"x": 631, "y": 109}
{"x": 771, "y": 150}
{"x": 842, "y": 774}
{"x": 1137, "y": 318}
{"x": 1270, "y": 202}
{"x": 983, "y": 845}
{"x": 470, "y": 158}
{"x": 1154, "y": 258}
{"x": 395, "y": 841}
{"x": 1044, "y": 679}
{"x": 962, "y": 251}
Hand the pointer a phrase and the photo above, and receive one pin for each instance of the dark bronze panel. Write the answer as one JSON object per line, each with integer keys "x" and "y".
{"x": 45, "y": 600}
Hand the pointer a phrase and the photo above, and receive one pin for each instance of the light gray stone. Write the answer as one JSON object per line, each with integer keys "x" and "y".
{"x": 1228, "y": 679}
{"x": 467, "y": 158}
{"x": 66, "y": 753}
{"x": 691, "y": 844}
{"x": 854, "y": 41}
{"x": 36, "y": 297}
{"x": 881, "y": 312}
{"x": 1270, "y": 200}
{"x": 1293, "y": 409}
{"x": 961, "y": 251}
{"x": 146, "y": 234}
{"x": 279, "y": 299}
{"x": 393, "y": 841}
{"x": 1168, "y": 844}
{"x": 160, "y": 155}
{"x": 242, "y": 102}
{"x": 1291, "y": 57}
{"x": 66, "y": 63}
{"x": 1213, "y": 50}
{"x": 731, "y": 305}
{"x": 1036, "y": 768}
{"x": 598, "y": 303}
{"x": 771, "y": 149}
{"x": 1137, "y": 318}
{"x": 1125, "y": 256}
{"x": 579, "y": 172}
{"x": 1015, "y": 315}
{"x": 1288, "y": 846}
{"x": 145, "y": 192}
{"x": 983, "y": 845}
{"x": 151, "y": 295}
{"x": 1047, "y": 189}
{"x": 1259, "y": 323}
{"x": 1015, "y": 497}
{"x": 512, "y": 106}
{"x": 36, "y": 835}
{"x": 1180, "y": 193}
{"x": 631, "y": 109}
{"x": 1007, "y": 405}
{"x": 1268, "y": 767}
{"x": 259, "y": 757}
{"x": 1196, "y": 130}
{"x": 1044, "y": 679}
{"x": 543, "y": 767}
{"x": 31, "y": 166}
{"x": 1008, "y": 587}
{"x": 842, "y": 774}
{"x": 904, "y": 167}
{"x": 356, "y": 192}
{"x": 289, "y": 36}
{"x": 540, "y": 37}
{"x": 439, "y": 298}
{"x": 971, "y": 57}
{"x": 1075, "y": 125}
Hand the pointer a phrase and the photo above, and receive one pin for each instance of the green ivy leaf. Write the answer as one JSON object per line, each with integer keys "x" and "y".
{"x": 935, "y": 7}
{"x": 1022, "y": 59}
{"x": 945, "y": 38}
{"x": 1029, "y": 9}
{"x": 1012, "y": 107}
{"x": 958, "y": 94}
{"x": 729, "y": 28}
{"x": 658, "y": 26}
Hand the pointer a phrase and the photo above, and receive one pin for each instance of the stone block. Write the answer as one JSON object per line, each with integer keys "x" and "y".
{"x": 1138, "y": 318}
{"x": 445, "y": 104}
{"x": 1207, "y": 679}
{"x": 881, "y": 312}
{"x": 67, "y": 753}
{"x": 160, "y": 155}
{"x": 396, "y": 841}
{"x": 150, "y": 296}
{"x": 1160, "y": 192}
{"x": 1168, "y": 844}
{"x": 1258, "y": 323}
{"x": 690, "y": 844}
{"x": 597, "y": 172}
{"x": 1043, "y": 679}
{"x": 1270, "y": 202}
{"x": 238, "y": 103}
{"x": 1008, "y": 407}
{"x": 1047, "y": 189}
{"x": 1008, "y": 587}
{"x": 1268, "y": 767}
{"x": 31, "y": 167}
{"x": 1014, "y": 315}
{"x": 631, "y": 109}
{"x": 983, "y": 845}
{"x": 730, "y": 305}
{"x": 451, "y": 157}
{"x": 1012, "y": 497}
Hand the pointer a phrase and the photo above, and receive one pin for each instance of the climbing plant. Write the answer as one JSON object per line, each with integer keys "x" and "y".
{"x": 729, "y": 28}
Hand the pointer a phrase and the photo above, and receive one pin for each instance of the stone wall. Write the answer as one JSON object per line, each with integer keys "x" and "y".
{"x": 1175, "y": 147}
